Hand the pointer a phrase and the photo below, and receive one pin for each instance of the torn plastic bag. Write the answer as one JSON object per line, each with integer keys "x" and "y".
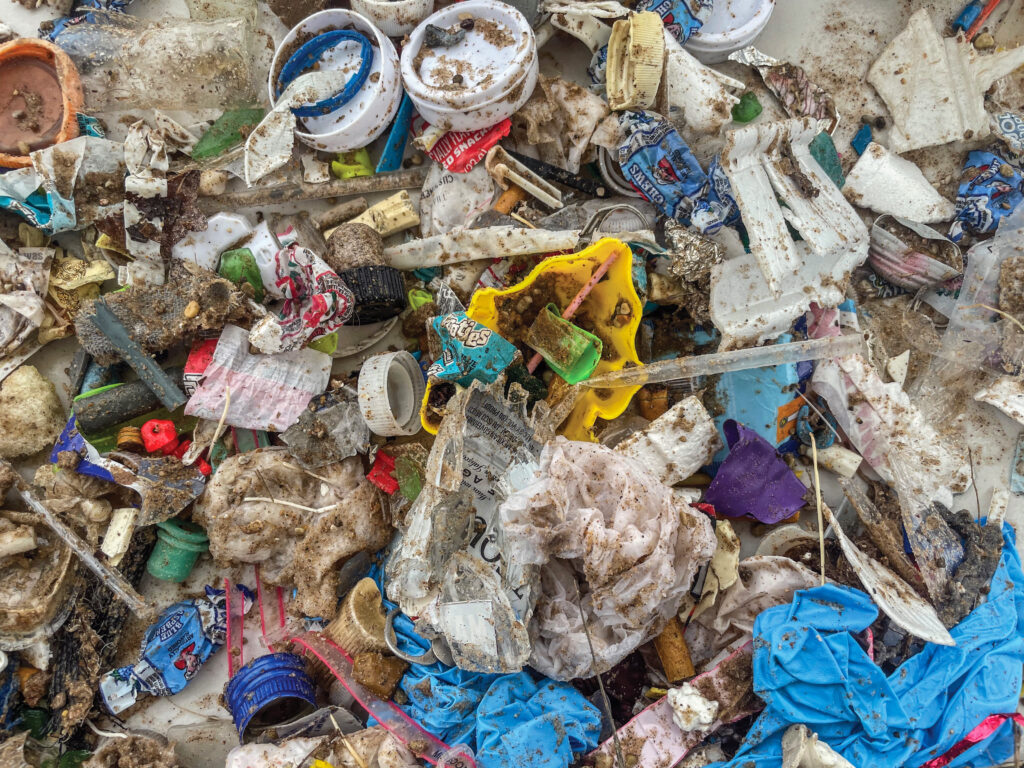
{"x": 173, "y": 650}
{"x": 263, "y": 507}
{"x": 451, "y": 201}
{"x": 754, "y": 479}
{"x": 693, "y": 96}
{"x": 24, "y": 276}
{"x": 1007, "y": 394}
{"x": 598, "y": 527}
{"x": 810, "y": 670}
{"x": 480, "y": 441}
{"x": 676, "y": 444}
{"x": 977, "y": 336}
{"x": 798, "y": 95}
{"x": 934, "y": 87}
{"x": 763, "y": 162}
{"x": 990, "y": 190}
{"x": 887, "y": 183}
{"x": 658, "y": 163}
{"x": 267, "y": 392}
{"x": 48, "y": 195}
{"x": 316, "y": 303}
{"x": 330, "y": 428}
{"x": 764, "y": 581}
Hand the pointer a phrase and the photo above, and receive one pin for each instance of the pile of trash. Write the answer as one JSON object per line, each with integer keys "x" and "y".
{"x": 546, "y": 384}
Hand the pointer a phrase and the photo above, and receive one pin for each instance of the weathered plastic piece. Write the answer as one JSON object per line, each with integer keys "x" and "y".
{"x": 935, "y": 87}
{"x": 102, "y": 409}
{"x": 676, "y": 444}
{"x": 902, "y": 265}
{"x": 572, "y": 352}
{"x": 612, "y": 298}
{"x": 228, "y": 131}
{"x": 476, "y": 244}
{"x": 636, "y": 56}
{"x": 887, "y": 183}
{"x": 111, "y": 578}
{"x": 695, "y": 95}
{"x": 747, "y": 108}
{"x": 223, "y": 231}
{"x": 802, "y": 749}
{"x": 765, "y": 163}
{"x": 179, "y": 544}
{"x": 734, "y": 360}
{"x": 394, "y": 214}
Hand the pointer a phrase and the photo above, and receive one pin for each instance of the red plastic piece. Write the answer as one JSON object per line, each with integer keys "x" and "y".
{"x": 381, "y": 473}
{"x": 160, "y": 436}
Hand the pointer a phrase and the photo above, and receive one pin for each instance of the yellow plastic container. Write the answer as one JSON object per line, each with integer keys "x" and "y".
{"x": 612, "y": 311}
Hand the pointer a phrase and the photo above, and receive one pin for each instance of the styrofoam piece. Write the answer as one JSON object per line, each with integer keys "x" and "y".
{"x": 699, "y": 96}
{"x": 753, "y": 159}
{"x": 496, "y": 64}
{"x": 842, "y": 461}
{"x": 364, "y": 118}
{"x": 755, "y": 298}
{"x": 892, "y": 594}
{"x": 733, "y": 24}
{"x": 935, "y": 87}
{"x": 887, "y": 183}
{"x": 898, "y": 366}
{"x": 391, "y": 387}
{"x": 223, "y": 232}
{"x": 1007, "y": 394}
{"x": 476, "y": 244}
{"x": 394, "y": 17}
{"x": 676, "y": 444}
{"x": 119, "y": 534}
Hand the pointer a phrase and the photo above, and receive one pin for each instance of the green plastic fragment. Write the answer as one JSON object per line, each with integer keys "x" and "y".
{"x": 747, "y": 109}
{"x": 572, "y": 352}
{"x": 228, "y": 131}
{"x": 352, "y": 164}
{"x": 409, "y": 476}
{"x": 239, "y": 266}
{"x": 824, "y": 151}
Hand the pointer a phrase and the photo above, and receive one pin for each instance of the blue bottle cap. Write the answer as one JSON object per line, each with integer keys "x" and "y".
{"x": 270, "y": 690}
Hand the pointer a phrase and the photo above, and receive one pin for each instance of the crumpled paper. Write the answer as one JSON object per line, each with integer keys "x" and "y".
{"x": 599, "y": 522}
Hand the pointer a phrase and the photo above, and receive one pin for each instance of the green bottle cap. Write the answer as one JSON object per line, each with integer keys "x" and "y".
{"x": 178, "y": 545}
{"x": 572, "y": 352}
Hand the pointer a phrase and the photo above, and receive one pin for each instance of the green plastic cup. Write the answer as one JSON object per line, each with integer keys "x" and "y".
{"x": 178, "y": 546}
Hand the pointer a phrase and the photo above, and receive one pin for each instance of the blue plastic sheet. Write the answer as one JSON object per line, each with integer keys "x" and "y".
{"x": 509, "y": 721}
{"x": 810, "y": 669}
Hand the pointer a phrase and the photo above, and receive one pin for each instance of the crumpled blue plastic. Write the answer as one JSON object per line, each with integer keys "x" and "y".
{"x": 681, "y": 17}
{"x": 510, "y": 721}
{"x": 809, "y": 669}
{"x": 985, "y": 196}
{"x": 659, "y": 164}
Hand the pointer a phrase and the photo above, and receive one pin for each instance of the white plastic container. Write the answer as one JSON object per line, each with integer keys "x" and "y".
{"x": 734, "y": 24}
{"x": 480, "y": 80}
{"x": 394, "y": 17}
{"x": 365, "y": 117}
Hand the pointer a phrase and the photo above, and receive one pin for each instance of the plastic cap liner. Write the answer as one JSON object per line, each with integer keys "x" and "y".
{"x": 809, "y": 669}
{"x": 391, "y": 387}
{"x": 276, "y": 681}
{"x": 637, "y": 555}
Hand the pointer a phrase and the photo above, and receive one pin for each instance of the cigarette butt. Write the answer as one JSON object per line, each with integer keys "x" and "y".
{"x": 509, "y": 199}
{"x": 674, "y": 653}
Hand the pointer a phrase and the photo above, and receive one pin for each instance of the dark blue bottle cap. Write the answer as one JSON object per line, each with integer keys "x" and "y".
{"x": 270, "y": 690}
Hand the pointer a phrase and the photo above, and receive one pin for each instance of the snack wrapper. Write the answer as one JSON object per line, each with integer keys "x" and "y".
{"x": 173, "y": 650}
{"x": 457, "y": 151}
{"x": 681, "y": 17}
{"x": 990, "y": 189}
{"x": 469, "y": 351}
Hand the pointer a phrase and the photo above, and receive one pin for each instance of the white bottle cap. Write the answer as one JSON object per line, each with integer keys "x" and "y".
{"x": 391, "y": 387}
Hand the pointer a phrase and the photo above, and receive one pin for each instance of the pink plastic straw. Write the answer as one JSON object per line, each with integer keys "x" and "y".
{"x": 575, "y": 303}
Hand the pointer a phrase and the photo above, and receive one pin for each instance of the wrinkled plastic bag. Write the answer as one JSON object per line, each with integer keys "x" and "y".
{"x": 24, "y": 277}
{"x": 451, "y": 201}
{"x": 810, "y": 669}
{"x": 601, "y": 521}
{"x": 267, "y": 392}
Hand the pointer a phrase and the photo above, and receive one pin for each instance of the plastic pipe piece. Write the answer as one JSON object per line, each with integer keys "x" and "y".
{"x": 162, "y": 385}
{"x": 674, "y": 653}
{"x": 114, "y": 580}
{"x": 340, "y": 213}
{"x": 96, "y": 412}
{"x": 119, "y": 534}
{"x": 836, "y": 458}
{"x": 736, "y": 360}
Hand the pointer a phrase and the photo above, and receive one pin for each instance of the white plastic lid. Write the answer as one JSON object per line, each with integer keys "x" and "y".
{"x": 492, "y": 55}
{"x": 390, "y": 388}
{"x": 732, "y": 20}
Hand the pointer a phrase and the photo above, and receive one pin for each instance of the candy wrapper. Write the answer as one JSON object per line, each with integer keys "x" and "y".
{"x": 799, "y": 96}
{"x": 1009, "y": 126}
{"x": 457, "y": 151}
{"x": 173, "y": 650}
{"x": 659, "y": 164}
{"x": 469, "y": 351}
{"x": 317, "y": 302}
{"x": 990, "y": 189}
{"x": 681, "y": 17}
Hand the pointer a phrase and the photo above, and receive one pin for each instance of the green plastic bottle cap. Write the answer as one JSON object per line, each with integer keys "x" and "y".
{"x": 178, "y": 546}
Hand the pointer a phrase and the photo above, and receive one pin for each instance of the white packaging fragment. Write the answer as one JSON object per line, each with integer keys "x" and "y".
{"x": 887, "y": 183}
{"x": 1007, "y": 394}
{"x": 676, "y": 444}
{"x": 690, "y": 710}
{"x": 694, "y": 95}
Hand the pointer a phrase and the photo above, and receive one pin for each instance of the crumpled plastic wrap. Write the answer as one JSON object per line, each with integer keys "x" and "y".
{"x": 263, "y": 507}
{"x": 600, "y": 520}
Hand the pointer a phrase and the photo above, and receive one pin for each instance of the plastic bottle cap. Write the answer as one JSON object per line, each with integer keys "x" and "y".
{"x": 359, "y": 625}
{"x": 178, "y": 546}
{"x": 268, "y": 691}
{"x": 636, "y": 55}
{"x": 391, "y": 387}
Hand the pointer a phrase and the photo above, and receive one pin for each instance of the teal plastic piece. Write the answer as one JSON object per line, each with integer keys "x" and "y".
{"x": 178, "y": 546}
{"x": 824, "y": 151}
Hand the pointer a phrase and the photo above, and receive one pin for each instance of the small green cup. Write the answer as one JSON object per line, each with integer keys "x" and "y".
{"x": 572, "y": 352}
{"x": 178, "y": 546}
